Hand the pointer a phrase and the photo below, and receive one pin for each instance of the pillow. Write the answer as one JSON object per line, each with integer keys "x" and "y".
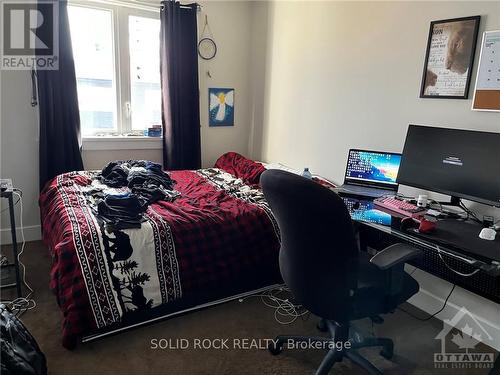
{"x": 241, "y": 167}
{"x": 324, "y": 182}
{"x": 316, "y": 178}
{"x": 281, "y": 167}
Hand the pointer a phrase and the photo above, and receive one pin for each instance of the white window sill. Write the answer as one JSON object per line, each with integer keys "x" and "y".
{"x": 108, "y": 143}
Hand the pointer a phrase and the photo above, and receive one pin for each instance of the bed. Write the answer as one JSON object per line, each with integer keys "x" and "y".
{"x": 216, "y": 241}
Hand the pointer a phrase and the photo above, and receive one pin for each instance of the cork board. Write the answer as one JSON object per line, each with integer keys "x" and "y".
{"x": 487, "y": 90}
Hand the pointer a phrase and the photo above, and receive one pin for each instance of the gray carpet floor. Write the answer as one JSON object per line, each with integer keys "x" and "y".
{"x": 131, "y": 352}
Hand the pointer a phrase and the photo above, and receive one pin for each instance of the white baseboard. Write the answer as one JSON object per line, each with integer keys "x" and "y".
{"x": 431, "y": 298}
{"x": 31, "y": 233}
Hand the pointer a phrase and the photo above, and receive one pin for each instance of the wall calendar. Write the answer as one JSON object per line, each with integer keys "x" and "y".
{"x": 487, "y": 91}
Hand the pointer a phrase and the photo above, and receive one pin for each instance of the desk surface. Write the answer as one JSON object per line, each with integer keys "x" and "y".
{"x": 456, "y": 235}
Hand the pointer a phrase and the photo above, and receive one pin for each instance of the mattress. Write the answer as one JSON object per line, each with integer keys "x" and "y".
{"x": 218, "y": 237}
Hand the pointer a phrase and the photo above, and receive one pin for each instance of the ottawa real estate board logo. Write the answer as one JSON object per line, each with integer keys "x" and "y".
{"x": 459, "y": 338}
{"x": 29, "y": 35}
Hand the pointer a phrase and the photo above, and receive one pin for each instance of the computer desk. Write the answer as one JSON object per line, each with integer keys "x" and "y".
{"x": 454, "y": 244}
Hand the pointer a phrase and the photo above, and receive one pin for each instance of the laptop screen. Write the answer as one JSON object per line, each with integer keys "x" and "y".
{"x": 363, "y": 210}
{"x": 372, "y": 168}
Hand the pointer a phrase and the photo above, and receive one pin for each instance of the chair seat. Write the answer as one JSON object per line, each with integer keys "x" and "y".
{"x": 372, "y": 296}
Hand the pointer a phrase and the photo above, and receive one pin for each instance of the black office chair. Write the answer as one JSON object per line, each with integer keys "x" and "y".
{"x": 327, "y": 274}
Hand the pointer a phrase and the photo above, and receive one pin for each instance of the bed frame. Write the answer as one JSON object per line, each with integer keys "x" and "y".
{"x": 137, "y": 322}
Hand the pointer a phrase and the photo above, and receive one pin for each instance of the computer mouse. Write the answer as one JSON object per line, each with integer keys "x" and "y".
{"x": 421, "y": 225}
{"x": 409, "y": 223}
{"x": 488, "y": 234}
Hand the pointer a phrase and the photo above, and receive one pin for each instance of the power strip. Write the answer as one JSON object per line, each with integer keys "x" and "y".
{"x": 3, "y": 260}
{"x": 6, "y": 185}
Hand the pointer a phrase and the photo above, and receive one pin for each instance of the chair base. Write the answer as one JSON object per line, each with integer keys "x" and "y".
{"x": 343, "y": 343}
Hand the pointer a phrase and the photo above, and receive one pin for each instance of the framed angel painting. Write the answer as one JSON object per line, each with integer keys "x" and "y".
{"x": 220, "y": 107}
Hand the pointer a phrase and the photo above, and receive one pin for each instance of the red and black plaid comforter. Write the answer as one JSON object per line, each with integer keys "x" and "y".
{"x": 219, "y": 236}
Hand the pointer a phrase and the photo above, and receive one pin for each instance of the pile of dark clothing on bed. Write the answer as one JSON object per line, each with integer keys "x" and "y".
{"x": 146, "y": 182}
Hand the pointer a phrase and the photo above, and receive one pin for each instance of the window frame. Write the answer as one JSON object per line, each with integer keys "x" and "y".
{"x": 120, "y": 14}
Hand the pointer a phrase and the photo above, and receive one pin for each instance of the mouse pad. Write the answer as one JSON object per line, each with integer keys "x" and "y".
{"x": 464, "y": 235}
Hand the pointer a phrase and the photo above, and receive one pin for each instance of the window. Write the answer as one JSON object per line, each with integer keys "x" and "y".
{"x": 144, "y": 71}
{"x": 117, "y": 65}
{"x": 95, "y": 68}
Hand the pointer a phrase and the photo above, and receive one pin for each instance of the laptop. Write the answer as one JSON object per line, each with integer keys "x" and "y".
{"x": 370, "y": 174}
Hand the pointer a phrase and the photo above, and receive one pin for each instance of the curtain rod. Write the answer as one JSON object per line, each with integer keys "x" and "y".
{"x": 125, "y": 3}
{"x": 199, "y": 7}
{"x": 132, "y": 4}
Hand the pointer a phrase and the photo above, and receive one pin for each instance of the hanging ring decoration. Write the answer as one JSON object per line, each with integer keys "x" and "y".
{"x": 207, "y": 49}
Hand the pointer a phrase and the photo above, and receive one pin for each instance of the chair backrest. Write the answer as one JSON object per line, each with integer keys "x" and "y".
{"x": 318, "y": 247}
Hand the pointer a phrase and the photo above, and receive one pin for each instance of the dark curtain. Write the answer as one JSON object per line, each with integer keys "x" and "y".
{"x": 58, "y": 108}
{"x": 180, "y": 90}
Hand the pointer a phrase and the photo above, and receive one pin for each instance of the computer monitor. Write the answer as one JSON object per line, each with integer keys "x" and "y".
{"x": 460, "y": 163}
{"x": 372, "y": 168}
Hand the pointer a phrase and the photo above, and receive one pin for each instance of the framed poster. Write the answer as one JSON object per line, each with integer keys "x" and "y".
{"x": 487, "y": 90}
{"x": 449, "y": 58}
{"x": 220, "y": 107}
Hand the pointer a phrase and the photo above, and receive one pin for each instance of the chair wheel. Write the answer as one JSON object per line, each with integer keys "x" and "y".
{"x": 387, "y": 353}
{"x": 275, "y": 348}
{"x": 321, "y": 326}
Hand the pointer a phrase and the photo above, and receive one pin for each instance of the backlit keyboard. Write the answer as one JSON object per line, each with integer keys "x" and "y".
{"x": 399, "y": 206}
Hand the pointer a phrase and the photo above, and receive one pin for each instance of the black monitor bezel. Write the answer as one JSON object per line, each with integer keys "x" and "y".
{"x": 442, "y": 191}
{"x": 382, "y": 185}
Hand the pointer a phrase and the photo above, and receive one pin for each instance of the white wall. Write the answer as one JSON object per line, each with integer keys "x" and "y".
{"x": 230, "y": 22}
{"x": 19, "y": 150}
{"x": 258, "y": 76}
{"x": 347, "y": 74}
